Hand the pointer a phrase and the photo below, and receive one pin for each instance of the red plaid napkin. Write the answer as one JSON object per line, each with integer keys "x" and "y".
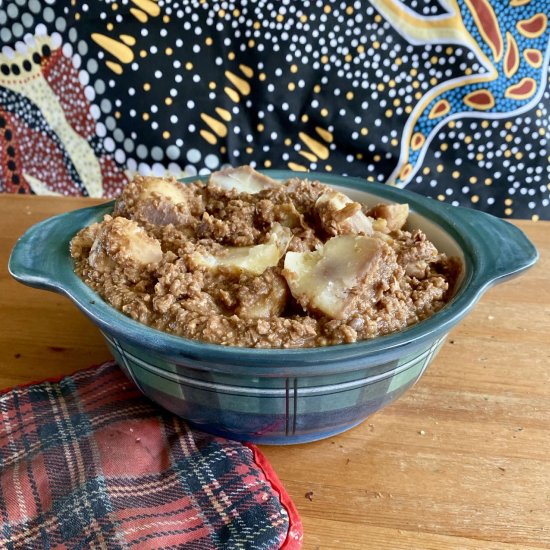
{"x": 88, "y": 462}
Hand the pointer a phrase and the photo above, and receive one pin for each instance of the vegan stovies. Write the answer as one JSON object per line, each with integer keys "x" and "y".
{"x": 244, "y": 260}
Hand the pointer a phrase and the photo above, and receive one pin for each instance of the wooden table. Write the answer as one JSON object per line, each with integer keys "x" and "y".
{"x": 461, "y": 461}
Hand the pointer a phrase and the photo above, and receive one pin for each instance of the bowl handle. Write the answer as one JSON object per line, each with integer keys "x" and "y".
{"x": 41, "y": 254}
{"x": 505, "y": 251}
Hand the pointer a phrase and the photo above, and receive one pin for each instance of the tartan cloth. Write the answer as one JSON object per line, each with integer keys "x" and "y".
{"x": 88, "y": 462}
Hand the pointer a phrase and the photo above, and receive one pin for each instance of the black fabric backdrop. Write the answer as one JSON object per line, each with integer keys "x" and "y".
{"x": 449, "y": 99}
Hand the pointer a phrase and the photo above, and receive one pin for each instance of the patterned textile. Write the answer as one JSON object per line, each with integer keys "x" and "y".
{"x": 88, "y": 462}
{"x": 446, "y": 97}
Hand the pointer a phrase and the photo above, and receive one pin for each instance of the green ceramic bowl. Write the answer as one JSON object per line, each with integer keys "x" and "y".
{"x": 282, "y": 396}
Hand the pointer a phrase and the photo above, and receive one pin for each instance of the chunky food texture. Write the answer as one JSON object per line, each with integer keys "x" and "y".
{"x": 245, "y": 260}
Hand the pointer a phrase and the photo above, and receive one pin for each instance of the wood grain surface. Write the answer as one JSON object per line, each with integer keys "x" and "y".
{"x": 461, "y": 461}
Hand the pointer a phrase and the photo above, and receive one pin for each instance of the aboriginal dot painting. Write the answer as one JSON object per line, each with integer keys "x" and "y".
{"x": 448, "y": 98}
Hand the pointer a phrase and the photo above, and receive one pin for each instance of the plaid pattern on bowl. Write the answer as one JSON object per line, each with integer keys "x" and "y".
{"x": 88, "y": 462}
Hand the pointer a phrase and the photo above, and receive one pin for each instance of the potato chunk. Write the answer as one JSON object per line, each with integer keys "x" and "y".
{"x": 251, "y": 259}
{"x": 82, "y": 243}
{"x": 395, "y": 215}
{"x": 340, "y": 215}
{"x": 123, "y": 242}
{"x": 244, "y": 179}
{"x": 168, "y": 188}
{"x": 158, "y": 201}
{"x": 161, "y": 212}
{"x": 329, "y": 280}
{"x": 264, "y": 297}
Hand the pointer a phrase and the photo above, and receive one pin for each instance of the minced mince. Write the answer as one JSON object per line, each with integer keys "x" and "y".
{"x": 244, "y": 260}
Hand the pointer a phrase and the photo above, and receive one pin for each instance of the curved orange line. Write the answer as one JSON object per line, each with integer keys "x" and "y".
{"x": 488, "y": 26}
{"x": 405, "y": 171}
{"x": 417, "y": 141}
{"x": 515, "y": 90}
{"x": 525, "y": 26}
{"x": 479, "y": 106}
{"x": 436, "y": 113}
{"x": 511, "y": 58}
{"x": 533, "y": 57}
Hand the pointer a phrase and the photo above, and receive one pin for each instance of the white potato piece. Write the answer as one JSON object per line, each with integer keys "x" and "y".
{"x": 339, "y": 214}
{"x": 243, "y": 178}
{"x": 124, "y": 242}
{"x": 395, "y": 215}
{"x": 327, "y": 279}
{"x": 167, "y": 188}
{"x": 144, "y": 194}
{"x": 287, "y": 215}
{"x": 251, "y": 259}
{"x": 267, "y": 304}
{"x": 82, "y": 243}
